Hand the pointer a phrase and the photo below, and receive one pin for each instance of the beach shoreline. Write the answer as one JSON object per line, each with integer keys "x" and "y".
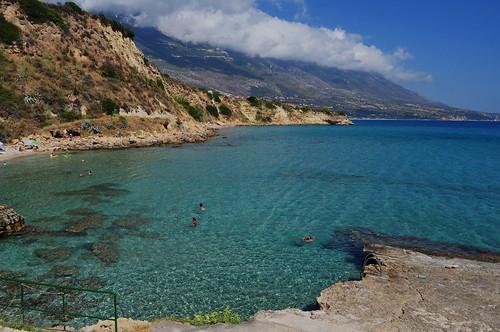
{"x": 93, "y": 143}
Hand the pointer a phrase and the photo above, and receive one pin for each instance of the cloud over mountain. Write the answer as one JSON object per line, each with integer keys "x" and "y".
{"x": 239, "y": 25}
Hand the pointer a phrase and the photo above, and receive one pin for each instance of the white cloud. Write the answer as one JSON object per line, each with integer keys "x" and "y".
{"x": 240, "y": 25}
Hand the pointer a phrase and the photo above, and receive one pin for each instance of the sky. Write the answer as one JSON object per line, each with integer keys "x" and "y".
{"x": 447, "y": 50}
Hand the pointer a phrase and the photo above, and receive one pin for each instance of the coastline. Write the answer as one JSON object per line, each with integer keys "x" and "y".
{"x": 189, "y": 134}
{"x": 100, "y": 142}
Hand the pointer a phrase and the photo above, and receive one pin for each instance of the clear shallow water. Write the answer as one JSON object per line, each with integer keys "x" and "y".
{"x": 264, "y": 188}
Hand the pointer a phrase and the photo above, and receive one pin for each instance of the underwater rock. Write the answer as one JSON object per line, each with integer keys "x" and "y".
{"x": 106, "y": 251}
{"x": 64, "y": 270}
{"x": 130, "y": 221}
{"x": 94, "y": 220}
{"x": 45, "y": 220}
{"x": 96, "y": 194}
{"x": 80, "y": 212}
{"x": 11, "y": 274}
{"x": 55, "y": 254}
{"x": 90, "y": 282}
{"x": 10, "y": 221}
{"x": 355, "y": 238}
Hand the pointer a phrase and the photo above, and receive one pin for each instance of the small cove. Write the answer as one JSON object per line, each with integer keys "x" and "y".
{"x": 127, "y": 228}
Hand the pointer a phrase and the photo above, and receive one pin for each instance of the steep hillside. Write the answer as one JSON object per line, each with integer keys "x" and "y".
{"x": 359, "y": 94}
{"x": 62, "y": 68}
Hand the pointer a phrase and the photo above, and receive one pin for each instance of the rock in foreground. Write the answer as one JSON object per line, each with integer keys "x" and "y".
{"x": 10, "y": 221}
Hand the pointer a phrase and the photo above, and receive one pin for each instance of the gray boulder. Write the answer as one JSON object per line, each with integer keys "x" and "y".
{"x": 10, "y": 221}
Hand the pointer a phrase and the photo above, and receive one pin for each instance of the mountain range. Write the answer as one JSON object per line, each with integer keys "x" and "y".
{"x": 358, "y": 94}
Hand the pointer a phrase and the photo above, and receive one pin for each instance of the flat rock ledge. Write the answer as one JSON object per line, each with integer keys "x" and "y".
{"x": 10, "y": 221}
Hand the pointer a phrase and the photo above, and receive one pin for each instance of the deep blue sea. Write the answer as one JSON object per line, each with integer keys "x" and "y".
{"x": 264, "y": 188}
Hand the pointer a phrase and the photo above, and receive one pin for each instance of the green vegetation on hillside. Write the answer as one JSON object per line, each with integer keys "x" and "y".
{"x": 194, "y": 111}
{"x": 11, "y": 104}
{"x": 212, "y": 110}
{"x": 214, "y": 95}
{"x": 157, "y": 84}
{"x": 261, "y": 117}
{"x": 69, "y": 116}
{"x": 269, "y": 104}
{"x": 260, "y": 103}
{"x": 4, "y": 133}
{"x": 116, "y": 26}
{"x": 109, "y": 70}
{"x": 226, "y": 111}
{"x": 39, "y": 13}
{"x": 109, "y": 106}
{"x": 254, "y": 101}
{"x": 9, "y": 33}
{"x": 325, "y": 110}
{"x": 72, "y": 7}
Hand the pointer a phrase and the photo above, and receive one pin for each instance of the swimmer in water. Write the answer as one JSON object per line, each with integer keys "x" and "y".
{"x": 308, "y": 239}
{"x": 194, "y": 222}
{"x": 202, "y": 207}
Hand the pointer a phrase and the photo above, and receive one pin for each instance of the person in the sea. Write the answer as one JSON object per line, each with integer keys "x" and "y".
{"x": 308, "y": 239}
{"x": 90, "y": 172}
{"x": 202, "y": 207}
{"x": 194, "y": 222}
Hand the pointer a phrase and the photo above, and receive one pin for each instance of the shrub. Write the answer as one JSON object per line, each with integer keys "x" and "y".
{"x": 123, "y": 122}
{"x": 39, "y": 12}
{"x": 226, "y": 111}
{"x": 73, "y": 8}
{"x": 4, "y": 133}
{"x": 69, "y": 116}
{"x": 11, "y": 104}
{"x": 157, "y": 84}
{"x": 260, "y": 117}
{"x": 325, "y": 110}
{"x": 109, "y": 70}
{"x": 116, "y": 26}
{"x": 195, "y": 112}
{"x": 216, "y": 317}
{"x": 182, "y": 101}
{"x": 9, "y": 33}
{"x": 109, "y": 106}
{"x": 254, "y": 101}
{"x": 216, "y": 97}
{"x": 212, "y": 110}
{"x": 269, "y": 104}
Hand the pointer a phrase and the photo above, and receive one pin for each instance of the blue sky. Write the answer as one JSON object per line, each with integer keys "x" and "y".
{"x": 456, "y": 41}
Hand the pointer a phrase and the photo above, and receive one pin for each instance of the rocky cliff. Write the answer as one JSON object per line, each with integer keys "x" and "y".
{"x": 61, "y": 67}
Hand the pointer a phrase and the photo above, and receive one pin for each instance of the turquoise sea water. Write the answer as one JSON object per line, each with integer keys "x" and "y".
{"x": 264, "y": 188}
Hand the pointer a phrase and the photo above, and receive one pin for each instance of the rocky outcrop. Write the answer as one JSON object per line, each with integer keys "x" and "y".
{"x": 10, "y": 221}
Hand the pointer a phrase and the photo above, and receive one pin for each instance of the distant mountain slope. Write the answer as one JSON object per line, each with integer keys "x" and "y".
{"x": 359, "y": 94}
